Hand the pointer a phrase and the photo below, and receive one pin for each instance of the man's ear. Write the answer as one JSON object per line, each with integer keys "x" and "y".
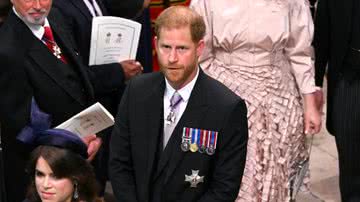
{"x": 156, "y": 41}
{"x": 200, "y": 47}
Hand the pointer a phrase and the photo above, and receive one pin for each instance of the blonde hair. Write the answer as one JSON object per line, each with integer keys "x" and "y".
{"x": 176, "y": 17}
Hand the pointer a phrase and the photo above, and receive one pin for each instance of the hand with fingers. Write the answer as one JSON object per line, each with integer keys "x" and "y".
{"x": 312, "y": 115}
{"x": 131, "y": 68}
{"x": 93, "y": 142}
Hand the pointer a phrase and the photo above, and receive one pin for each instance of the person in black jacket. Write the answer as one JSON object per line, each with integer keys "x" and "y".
{"x": 55, "y": 77}
{"x": 78, "y": 16}
{"x": 179, "y": 134}
{"x": 337, "y": 51}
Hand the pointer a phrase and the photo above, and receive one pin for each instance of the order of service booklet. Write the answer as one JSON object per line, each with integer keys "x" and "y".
{"x": 89, "y": 121}
{"x": 113, "y": 39}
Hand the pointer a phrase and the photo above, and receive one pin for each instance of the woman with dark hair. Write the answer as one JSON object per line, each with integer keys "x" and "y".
{"x": 60, "y": 175}
{"x": 58, "y": 169}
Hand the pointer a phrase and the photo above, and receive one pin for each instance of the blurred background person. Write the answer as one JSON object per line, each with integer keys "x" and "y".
{"x": 78, "y": 15}
{"x": 39, "y": 59}
{"x": 337, "y": 51}
{"x": 262, "y": 51}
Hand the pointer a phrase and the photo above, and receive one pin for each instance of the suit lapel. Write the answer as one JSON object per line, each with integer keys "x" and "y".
{"x": 85, "y": 10}
{"x": 192, "y": 116}
{"x": 49, "y": 65}
{"x": 154, "y": 119}
{"x": 69, "y": 50}
{"x": 82, "y": 8}
{"x": 41, "y": 56}
{"x": 102, "y": 7}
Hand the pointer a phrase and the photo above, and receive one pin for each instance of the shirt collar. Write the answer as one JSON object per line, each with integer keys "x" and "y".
{"x": 37, "y": 30}
{"x": 185, "y": 91}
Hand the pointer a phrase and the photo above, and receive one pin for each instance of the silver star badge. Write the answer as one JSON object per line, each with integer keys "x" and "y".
{"x": 194, "y": 178}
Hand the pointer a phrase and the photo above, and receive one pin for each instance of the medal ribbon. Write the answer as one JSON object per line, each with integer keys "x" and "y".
{"x": 216, "y": 136}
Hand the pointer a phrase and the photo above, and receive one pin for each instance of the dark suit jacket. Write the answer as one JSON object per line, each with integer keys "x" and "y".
{"x": 331, "y": 42}
{"x": 134, "y": 170}
{"x": 29, "y": 69}
{"x": 124, "y": 8}
{"x": 79, "y": 23}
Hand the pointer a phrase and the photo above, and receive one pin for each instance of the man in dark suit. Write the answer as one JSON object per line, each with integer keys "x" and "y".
{"x": 188, "y": 143}
{"x": 337, "y": 46}
{"x": 78, "y": 15}
{"x": 33, "y": 64}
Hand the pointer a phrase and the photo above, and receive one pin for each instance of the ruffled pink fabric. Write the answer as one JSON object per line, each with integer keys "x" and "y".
{"x": 261, "y": 50}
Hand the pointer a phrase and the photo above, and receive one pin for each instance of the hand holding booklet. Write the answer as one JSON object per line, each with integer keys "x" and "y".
{"x": 113, "y": 39}
{"x": 89, "y": 121}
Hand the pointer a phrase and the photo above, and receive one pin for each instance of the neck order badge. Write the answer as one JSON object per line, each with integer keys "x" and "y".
{"x": 48, "y": 38}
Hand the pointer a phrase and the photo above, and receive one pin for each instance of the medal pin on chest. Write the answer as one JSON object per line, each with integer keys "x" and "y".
{"x": 194, "y": 179}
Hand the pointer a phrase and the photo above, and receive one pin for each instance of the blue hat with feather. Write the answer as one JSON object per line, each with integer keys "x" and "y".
{"x": 38, "y": 132}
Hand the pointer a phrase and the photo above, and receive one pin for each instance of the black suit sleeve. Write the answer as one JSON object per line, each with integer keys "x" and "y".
{"x": 230, "y": 162}
{"x": 321, "y": 40}
{"x": 121, "y": 165}
{"x": 107, "y": 78}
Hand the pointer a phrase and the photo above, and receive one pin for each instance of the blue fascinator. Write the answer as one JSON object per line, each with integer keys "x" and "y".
{"x": 38, "y": 133}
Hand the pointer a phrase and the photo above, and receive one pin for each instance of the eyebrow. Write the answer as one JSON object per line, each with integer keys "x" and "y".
{"x": 177, "y": 46}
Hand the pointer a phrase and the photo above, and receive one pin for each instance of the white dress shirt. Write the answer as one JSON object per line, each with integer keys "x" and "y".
{"x": 185, "y": 93}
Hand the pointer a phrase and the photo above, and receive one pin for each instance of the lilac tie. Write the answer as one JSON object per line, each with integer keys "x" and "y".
{"x": 169, "y": 126}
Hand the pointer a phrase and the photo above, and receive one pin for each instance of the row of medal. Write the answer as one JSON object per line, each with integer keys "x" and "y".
{"x": 203, "y": 141}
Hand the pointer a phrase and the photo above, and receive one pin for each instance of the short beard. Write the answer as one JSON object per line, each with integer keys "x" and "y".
{"x": 35, "y": 21}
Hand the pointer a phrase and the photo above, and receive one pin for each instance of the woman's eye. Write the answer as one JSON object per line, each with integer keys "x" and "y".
{"x": 38, "y": 174}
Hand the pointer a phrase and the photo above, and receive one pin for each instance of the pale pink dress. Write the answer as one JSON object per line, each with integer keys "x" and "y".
{"x": 261, "y": 50}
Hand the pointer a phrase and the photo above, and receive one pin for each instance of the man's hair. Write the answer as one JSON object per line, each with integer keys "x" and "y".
{"x": 64, "y": 164}
{"x": 176, "y": 17}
